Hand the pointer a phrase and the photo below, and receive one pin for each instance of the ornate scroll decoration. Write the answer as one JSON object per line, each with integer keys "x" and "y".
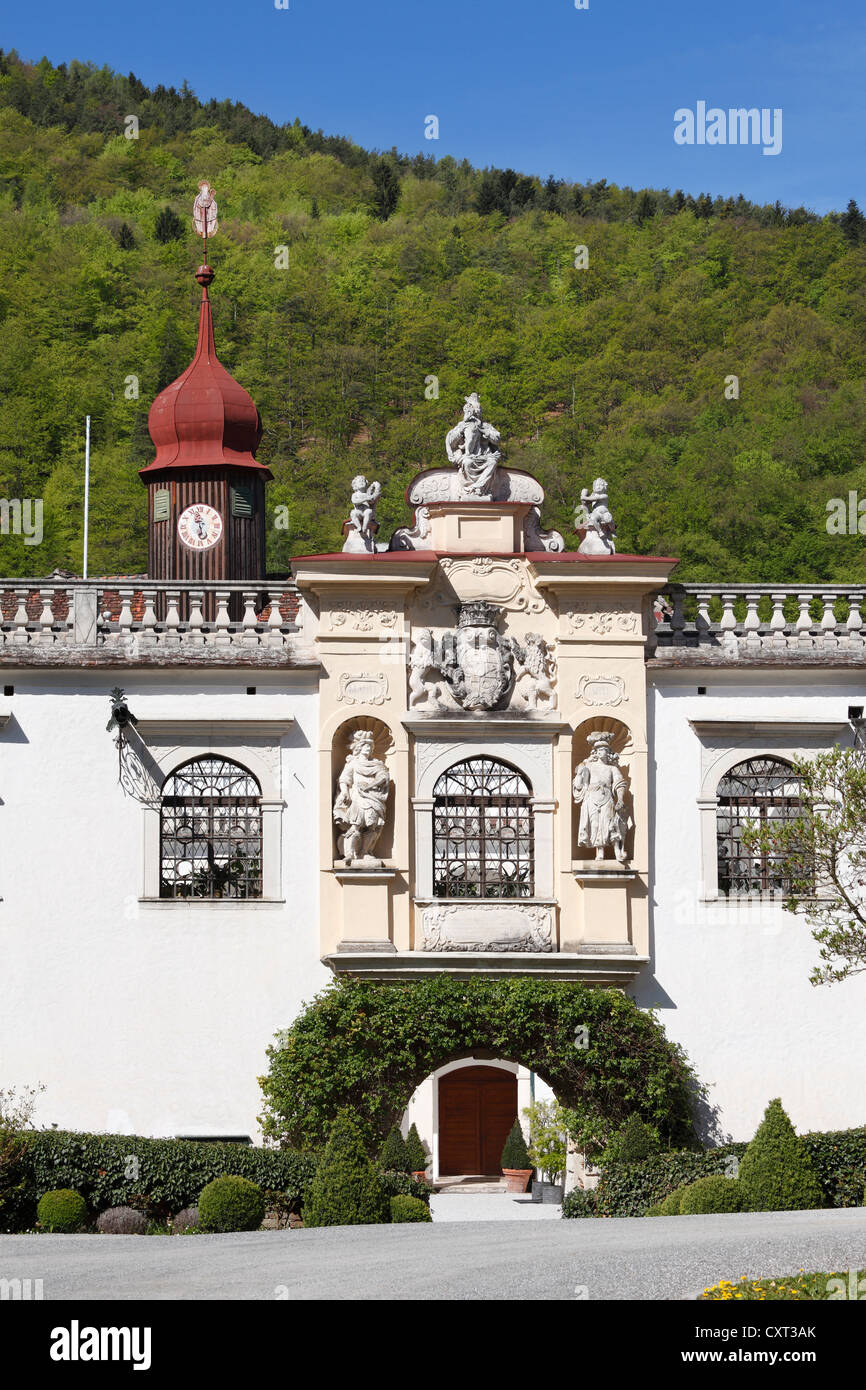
{"x": 363, "y": 689}
{"x": 507, "y": 583}
{"x": 363, "y": 616}
{"x": 601, "y": 617}
{"x": 601, "y": 690}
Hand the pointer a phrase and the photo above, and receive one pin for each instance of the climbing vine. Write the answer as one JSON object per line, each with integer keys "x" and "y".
{"x": 367, "y": 1045}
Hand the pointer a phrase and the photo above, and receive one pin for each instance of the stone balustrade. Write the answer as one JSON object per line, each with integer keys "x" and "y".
{"x": 760, "y": 622}
{"x": 44, "y": 620}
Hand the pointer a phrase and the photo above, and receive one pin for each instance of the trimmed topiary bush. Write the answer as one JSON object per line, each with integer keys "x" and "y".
{"x": 635, "y": 1142}
{"x": 776, "y": 1172}
{"x": 416, "y": 1152}
{"x": 581, "y": 1201}
{"x": 515, "y": 1153}
{"x": 346, "y": 1190}
{"x": 186, "y": 1220}
{"x": 231, "y": 1203}
{"x": 62, "y": 1210}
{"x": 404, "y": 1185}
{"x": 409, "y": 1209}
{"x": 714, "y": 1193}
{"x": 122, "y": 1221}
{"x": 394, "y": 1156}
{"x": 670, "y": 1205}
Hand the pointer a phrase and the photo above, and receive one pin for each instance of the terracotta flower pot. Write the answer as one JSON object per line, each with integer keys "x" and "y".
{"x": 421, "y": 1175}
{"x": 517, "y": 1179}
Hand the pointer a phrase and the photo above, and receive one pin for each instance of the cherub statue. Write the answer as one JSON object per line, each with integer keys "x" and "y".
{"x": 536, "y": 668}
{"x": 593, "y": 519}
{"x": 466, "y": 446}
{"x": 362, "y": 523}
{"x": 600, "y": 789}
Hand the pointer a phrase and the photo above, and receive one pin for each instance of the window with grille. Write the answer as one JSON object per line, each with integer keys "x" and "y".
{"x": 482, "y": 832}
{"x": 753, "y": 793}
{"x": 211, "y": 831}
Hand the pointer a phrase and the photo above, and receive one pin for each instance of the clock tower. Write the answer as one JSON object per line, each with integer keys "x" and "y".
{"x": 206, "y": 492}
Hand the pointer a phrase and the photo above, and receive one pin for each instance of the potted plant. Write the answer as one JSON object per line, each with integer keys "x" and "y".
{"x": 417, "y": 1154}
{"x": 516, "y": 1167}
{"x": 547, "y": 1149}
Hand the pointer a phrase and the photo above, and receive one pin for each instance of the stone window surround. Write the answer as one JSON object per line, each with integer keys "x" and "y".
{"x": 255, "y": 745}
{"x": 725, "y": 743}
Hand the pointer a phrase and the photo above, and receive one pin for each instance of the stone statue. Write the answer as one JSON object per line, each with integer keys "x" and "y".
{"x": 467, "y": 446}
{"x": 361, "y": 803}
{"x": 424, "y": 689}
{"x": 362, "y": 524}
{"x": 600, "y": 790}
{"x": 535, "y": 671}
{"x": 594, "y": 521}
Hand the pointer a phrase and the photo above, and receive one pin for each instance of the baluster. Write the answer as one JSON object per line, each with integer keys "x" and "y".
{"x": 803, "y": 625}
{"x": 752, "y": 623}
{"x": 729, "y": 619}
{"x": 854, "y": 624}
{"x": 249, "y": 618}
{"x": 20, "y": 635}
{"x": 777, "y": 621}
{"x": 275, "y": 620}
{"x": 703, "y": 624}
{"x": 222, "y": 624}
{"x": 828, "y": 623}
{"x": 172, "y": 618}
{"x": 148, "y": 617}
{"x": 195, "y": 636}
{"x": 124, "y": 622}
{"x": 46, "y": 617}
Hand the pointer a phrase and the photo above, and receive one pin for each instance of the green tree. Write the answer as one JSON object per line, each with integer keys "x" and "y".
{"x": 776, "y": 1172}
{"x": 346, "y": 1190}
{"x": 418, "y": 1159}
{"x": 168, "y": 226}
{"x": 386, "y": 189}
{"x": 821, "y": 854}
{"x": 394, "y": 1155}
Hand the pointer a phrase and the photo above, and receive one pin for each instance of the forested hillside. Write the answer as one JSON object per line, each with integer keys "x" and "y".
{"x": 400, "y": 270}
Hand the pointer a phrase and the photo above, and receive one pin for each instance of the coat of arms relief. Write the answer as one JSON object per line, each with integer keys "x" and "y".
{"x": 474, "y": 667}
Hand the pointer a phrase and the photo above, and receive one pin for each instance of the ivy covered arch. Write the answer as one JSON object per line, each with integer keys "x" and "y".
{"x": 367, "y": 1045}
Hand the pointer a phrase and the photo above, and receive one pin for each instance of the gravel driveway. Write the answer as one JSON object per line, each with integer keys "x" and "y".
{"x": 622, "y": 1258}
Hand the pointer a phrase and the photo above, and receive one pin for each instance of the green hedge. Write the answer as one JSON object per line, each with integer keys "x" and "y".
{"x": 169, "y": 1175}
{"x": 630, "y": 1189}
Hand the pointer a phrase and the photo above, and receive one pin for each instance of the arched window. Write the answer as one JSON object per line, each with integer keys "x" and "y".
{"x": 482, "y": 832}
{"x": 211, "y": 831}
{"x": 753, "y": 793}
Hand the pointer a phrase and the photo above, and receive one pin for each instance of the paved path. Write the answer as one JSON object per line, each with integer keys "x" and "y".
{"x": 469, "y": 1206}
{"x": 623, "y": 1258}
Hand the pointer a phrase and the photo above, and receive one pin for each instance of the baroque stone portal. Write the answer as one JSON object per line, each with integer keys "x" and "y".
{"x": 600, "y": 790}
{"x": 361, "y": 803}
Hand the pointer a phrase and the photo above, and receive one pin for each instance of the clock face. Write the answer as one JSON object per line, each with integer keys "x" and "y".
{"x": 200, "y": 526}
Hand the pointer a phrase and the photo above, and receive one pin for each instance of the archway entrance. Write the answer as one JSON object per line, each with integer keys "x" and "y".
{"x": 477, "y": 1107}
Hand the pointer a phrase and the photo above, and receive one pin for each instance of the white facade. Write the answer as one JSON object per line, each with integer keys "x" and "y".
{"x": 730, "y": 977}
{"x": 146, "y": 1016}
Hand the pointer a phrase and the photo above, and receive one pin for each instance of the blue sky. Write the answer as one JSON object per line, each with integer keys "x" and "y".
{"x": 542, "y": 87}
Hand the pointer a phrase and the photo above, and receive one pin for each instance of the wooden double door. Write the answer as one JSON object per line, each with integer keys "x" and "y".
{"x": 477, "y": 1107}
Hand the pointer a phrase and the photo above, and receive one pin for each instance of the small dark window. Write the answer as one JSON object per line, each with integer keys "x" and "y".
{"x": 161, "y": 504}
{"x": 242, "y": 500}
{"x": 9, "y": 690}
{"x": 251, "y": 690}
{"x": 753, "y": 793}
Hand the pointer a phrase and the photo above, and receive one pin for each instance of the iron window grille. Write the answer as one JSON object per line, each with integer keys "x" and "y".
{"x": 482, "y": 832}
{"x": 753, "y": 793}
{"x": 211, "y": 831}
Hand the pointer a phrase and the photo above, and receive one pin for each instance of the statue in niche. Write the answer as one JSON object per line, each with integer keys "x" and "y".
{"x": 471, "y": 446}
{"x": 362, "y": 523}
{"x": 594, "y": 521}
{"x": 600, "y": 790}
{"x": 361, "y": 803}
{"x": 535, "y": 671}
